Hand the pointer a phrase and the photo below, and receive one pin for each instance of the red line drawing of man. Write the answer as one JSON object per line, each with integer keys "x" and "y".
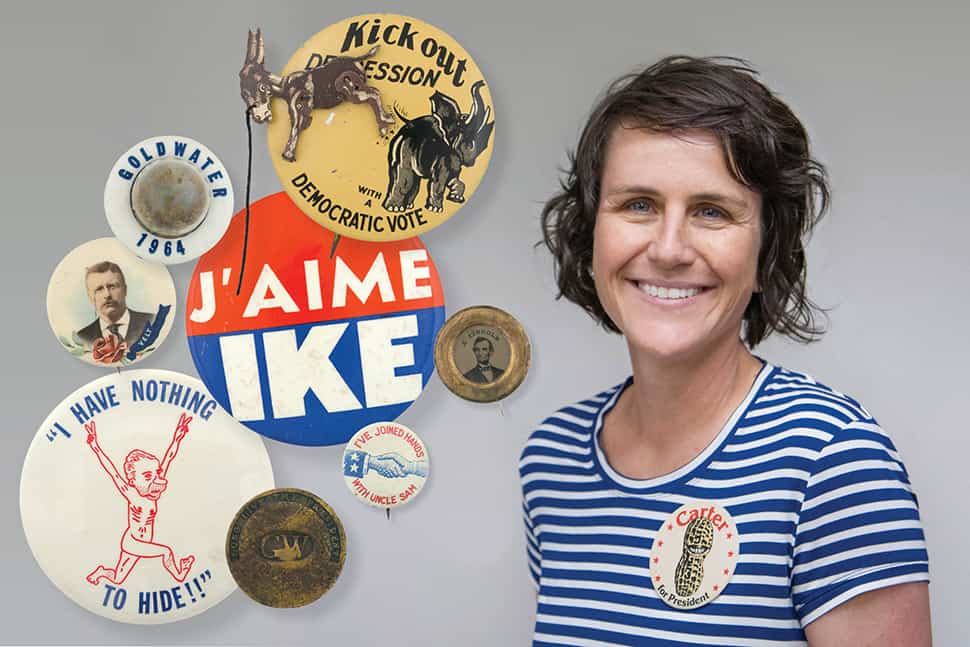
{"x": 142, "y": 485}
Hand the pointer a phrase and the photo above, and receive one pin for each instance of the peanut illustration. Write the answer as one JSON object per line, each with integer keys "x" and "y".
{"x": 698, "y": 541}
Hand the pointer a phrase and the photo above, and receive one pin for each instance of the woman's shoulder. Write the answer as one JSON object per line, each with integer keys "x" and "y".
{"x": 797, "y": 403}
{"x": 569, "y": 429}
{"x": 787, "y": 392}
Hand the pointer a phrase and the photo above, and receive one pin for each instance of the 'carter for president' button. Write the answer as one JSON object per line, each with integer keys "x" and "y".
{"x": 385, "y": 464}
{"x": 694, "y": 554}
{"x": 168, "y": 199}
{"x": 107, "y": 306}
{"x": 127, "y": 491}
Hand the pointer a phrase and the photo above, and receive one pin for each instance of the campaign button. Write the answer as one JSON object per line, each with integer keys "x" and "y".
{"x": 482, "y": 354}
{"x": 385, "y": 465}
{"x": 317, "y": 340}
{"x": 694, "y": 555}
{"x": 380, "y": 125}
{"x": 127, "y": 490}
{"x": 108, "y": 307}
{"x": 168, "y": 199}
{"x": 286, "y": 548}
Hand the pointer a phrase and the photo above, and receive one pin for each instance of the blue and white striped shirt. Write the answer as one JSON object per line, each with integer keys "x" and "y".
{"x": 822, "y": 503}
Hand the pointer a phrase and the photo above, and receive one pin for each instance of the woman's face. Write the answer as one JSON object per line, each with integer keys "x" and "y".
{"x": 675, "y": 251}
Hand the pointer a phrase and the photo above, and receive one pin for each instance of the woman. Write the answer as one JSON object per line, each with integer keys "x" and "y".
{"x": 711, "y": 498}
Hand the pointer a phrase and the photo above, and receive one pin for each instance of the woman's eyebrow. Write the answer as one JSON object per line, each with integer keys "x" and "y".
{"x": 709, "y": 196}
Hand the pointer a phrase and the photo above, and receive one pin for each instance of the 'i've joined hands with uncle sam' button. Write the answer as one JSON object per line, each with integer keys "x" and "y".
{"x": 107, "y": 306}
{"x": 127, "y": 490}
{"x": 385, "y": 464}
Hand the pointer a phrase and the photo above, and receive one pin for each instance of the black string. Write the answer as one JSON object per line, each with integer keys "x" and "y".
{"x": 249, "y": 181}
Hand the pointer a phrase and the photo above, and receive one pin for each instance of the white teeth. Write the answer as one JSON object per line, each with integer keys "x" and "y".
{"x": 668, "y": 293}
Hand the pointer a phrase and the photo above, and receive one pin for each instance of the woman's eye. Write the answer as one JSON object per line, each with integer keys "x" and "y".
{"x": 638, "y": 205}
{"x": 712, "y": 213}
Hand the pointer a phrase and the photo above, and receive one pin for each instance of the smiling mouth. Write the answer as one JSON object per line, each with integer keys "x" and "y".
{"x": 671, "y": 294}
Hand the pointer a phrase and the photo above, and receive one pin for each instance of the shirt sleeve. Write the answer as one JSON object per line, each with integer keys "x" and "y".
{"x": 531, "y": 545}
{"x": 859, "y": 528}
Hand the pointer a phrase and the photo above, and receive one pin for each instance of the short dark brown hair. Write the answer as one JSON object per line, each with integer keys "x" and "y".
{"x": 105, "y": 266}
{"x": 767, "y": 150}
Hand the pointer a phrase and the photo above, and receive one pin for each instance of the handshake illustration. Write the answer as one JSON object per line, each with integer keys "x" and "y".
{"x": 388, "y": 465}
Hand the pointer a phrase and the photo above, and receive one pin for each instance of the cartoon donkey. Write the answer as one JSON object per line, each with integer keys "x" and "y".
{"x": 325, "y": 85}
{"x": 435, "y": 147}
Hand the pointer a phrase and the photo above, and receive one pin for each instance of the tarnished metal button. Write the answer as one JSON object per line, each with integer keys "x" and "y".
{"x": 286, "y": 548}
{"x": 169, "y": 198}
{"x": 482, "y": 354}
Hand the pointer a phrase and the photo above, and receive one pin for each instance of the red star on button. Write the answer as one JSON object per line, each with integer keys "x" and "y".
{"x": 657, "y": 578}
{"x": 729, "y": 535}
{"x": 715, "y": 587}
{"x": 656, "y": 559}
{"x": 725, "y": 571}
{"x": 660, "y": 543}
{"x": 670, "y": 526}
{"x": 730, "y": 553}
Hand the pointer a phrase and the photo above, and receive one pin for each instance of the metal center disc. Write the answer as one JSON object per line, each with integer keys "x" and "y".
{"x": 169, "y": 198}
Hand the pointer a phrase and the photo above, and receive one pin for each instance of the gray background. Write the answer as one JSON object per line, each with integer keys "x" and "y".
{"x": 883, "y": 91}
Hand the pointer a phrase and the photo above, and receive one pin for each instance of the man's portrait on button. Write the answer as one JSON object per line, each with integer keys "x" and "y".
{"x": 105, "y": 286}
{"x": 484, "y": 370}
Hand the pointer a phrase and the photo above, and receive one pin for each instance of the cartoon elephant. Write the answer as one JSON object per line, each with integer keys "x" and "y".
{"x": 434, "y": 147}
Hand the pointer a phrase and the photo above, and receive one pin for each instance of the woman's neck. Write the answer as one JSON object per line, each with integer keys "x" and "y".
{"x": 675, "y": 408}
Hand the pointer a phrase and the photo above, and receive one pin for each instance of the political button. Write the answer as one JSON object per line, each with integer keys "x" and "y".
{"x": 286, "y": 548}
{"x": 694, "y": 554}
{"x": 315, "y": 345}
{"x": 482, "y": 354}
{"x": 385, "y": 464}
{"x": 380, "y": 126}
{"x": 168, "y": 199}
{"x": 127, "y": 491}
{"x": 108, "y": 307}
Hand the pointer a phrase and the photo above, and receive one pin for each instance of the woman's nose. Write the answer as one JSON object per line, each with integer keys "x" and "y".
{"x": 671, "y": 245}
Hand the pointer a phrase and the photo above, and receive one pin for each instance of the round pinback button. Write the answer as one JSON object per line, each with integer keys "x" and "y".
{"x": 127, "y": 490}
{"x": 108, "y": 307}
{"x": 395, "y": 131}
{"x": 324, "y": 336}
{"x": 286, "y": 548}
{"x": 385, "y": 465}
{"x": 168, "y": 199}
{"x": 694, "y": 555}
{"x": 482, "y": 354}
